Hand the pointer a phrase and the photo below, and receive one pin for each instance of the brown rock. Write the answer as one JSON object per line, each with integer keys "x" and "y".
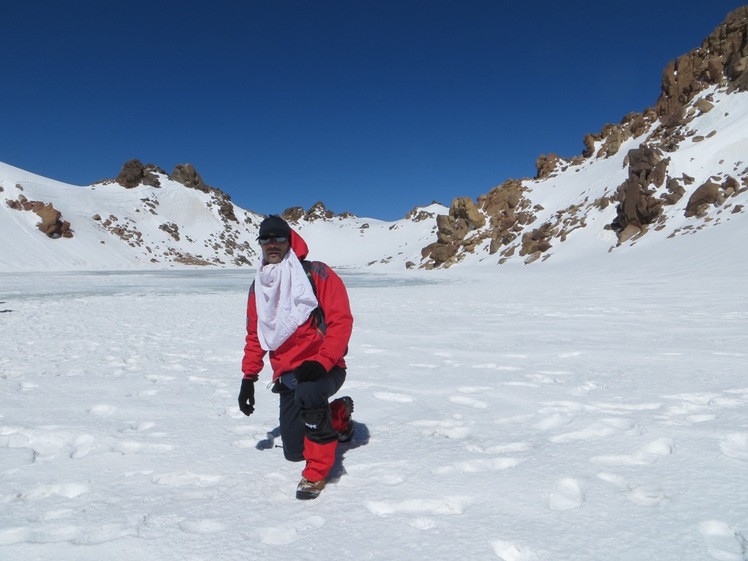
{"x": 505, "y": 197}
{"x": 464, "y": 208}
{"x": 546, "y": 165}
{"x": 703, "y": 197}
{"x": 293, "y": 214}
{"x": 133, "y": 173}
{"x": 675, "y": 192}
{"x": 721, "y": 58}
{"x": 51, "y": 223}
{"x": 187, "y": 175}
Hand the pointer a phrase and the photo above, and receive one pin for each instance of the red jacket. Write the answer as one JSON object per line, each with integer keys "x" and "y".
{"x": 306, "y": 343}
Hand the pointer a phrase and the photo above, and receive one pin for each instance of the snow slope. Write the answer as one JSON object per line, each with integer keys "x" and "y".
{"x": 116, "y": 228}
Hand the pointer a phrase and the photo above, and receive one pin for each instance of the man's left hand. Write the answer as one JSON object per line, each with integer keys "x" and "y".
{"x": 310, "y": 371}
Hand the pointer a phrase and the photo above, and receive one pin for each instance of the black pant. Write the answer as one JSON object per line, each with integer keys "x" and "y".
{"x": 305, "y": 411}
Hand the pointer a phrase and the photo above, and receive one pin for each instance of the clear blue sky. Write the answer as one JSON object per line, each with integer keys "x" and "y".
{"x": 371, "y": 106}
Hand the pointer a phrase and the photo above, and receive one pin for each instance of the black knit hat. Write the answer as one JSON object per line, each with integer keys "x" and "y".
{"x": 274, "y": 225}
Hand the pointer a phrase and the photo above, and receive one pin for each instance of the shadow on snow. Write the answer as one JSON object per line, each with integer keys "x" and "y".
{"x": 360, "y": 438}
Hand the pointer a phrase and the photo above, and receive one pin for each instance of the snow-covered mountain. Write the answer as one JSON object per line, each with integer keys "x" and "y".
{"x": 668, "y": 173}
{"x": 48, "y": 225}
{"x": 672, "y": 171}
{"x": 608, "y": 203}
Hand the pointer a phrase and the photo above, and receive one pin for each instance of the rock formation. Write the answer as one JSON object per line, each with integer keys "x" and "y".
{"x": 721, "y": 60}
{"x": 318, "y": 211}
{"x": 134, "y": 173}
{"x": 51, "y": 223}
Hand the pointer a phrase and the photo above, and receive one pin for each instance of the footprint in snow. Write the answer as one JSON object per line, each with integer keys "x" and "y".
{"x": 499, "y": 448}
{"x": 585, "y": 389}
{"x": 604, "y": 428}
{"x": 187, "y": 478}
{"x": 82, "y": 445}
{"x": 644, "y": 496}
{"x": 288, "y": 532}
{"x": 443, "y": 429}
{"x": 67, "y": 490}
{"x": 568, "y": 495}
{"x": 473, "y": 389}
{"x": 640, "y": 496}
{"x": 554, "y": 421}
{"x": 723, "y": 542}
{"x": 420, "y": 365}
{"x": 13, "y": 535}
{"x": 543, "y": 379}
{"x": 649, "y": 454}
{"x": 159, "y": 378}
{"x": 138, "y": 427}
{"x": 201, "y": 380}
{"x": 101, "y": 534}
{"x": 446, "y": 506}
{"x": 698, "y": 407}
{"x": 509, "y": 551}
{"x": 46, "y": 443}
{"x": 393, "y": 397}
{"x": 102, "y": 410}
{"x": 126, "y": 447}
{"x": 735, "y": 445}
{"x": 468, "y": 402}
{"x": 202, "y": 526}
{"x": 478, "y": 465}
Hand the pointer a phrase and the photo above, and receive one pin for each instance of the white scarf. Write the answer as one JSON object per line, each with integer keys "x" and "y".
{"x": 284, "y": 298}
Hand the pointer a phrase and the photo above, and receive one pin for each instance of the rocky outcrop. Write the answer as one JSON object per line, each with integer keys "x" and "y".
{"x": 134, "y": 173}
{"x": 721, "y": 59}
{"x": 52, "y": 224}
{"x": 499, "y": 216}
{"x": 509, "y": 211}
{"x": 293, "y": 214}
{"x": 419, "y": 214}
{"x": 317, "y": 211}
{"x": 187, "y": 175}
{"x": 171, "y": 229}
{"x": 711, "y": 194}
{"x": 612, "y": 137}
{"x": 454, "y": 233}
{"x": 638, "y": 204}
{"x": 546, "y": 165}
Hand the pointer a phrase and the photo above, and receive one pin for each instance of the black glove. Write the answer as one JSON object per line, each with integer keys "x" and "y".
{"x": 247, "y": 396}
{"x": 310, "y": 371}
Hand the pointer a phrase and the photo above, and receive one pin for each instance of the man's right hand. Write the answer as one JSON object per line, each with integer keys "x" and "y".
{"x": 247, "y": 396}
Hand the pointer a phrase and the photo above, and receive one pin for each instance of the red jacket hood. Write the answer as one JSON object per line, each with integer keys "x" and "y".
{"x": 299, "y": 245}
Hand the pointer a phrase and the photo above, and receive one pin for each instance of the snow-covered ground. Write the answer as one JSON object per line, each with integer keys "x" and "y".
{"x": 581, "y": 411}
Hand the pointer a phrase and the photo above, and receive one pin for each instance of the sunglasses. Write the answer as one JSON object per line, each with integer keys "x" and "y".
{"x": 276, "y": 239}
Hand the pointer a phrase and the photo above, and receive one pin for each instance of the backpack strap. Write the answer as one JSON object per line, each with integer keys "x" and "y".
{"x": 318, "y": 314}
{"x": 308, "y": 270}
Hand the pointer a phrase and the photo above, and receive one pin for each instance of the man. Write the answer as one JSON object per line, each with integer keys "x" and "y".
{"x": 300, "y": 314}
